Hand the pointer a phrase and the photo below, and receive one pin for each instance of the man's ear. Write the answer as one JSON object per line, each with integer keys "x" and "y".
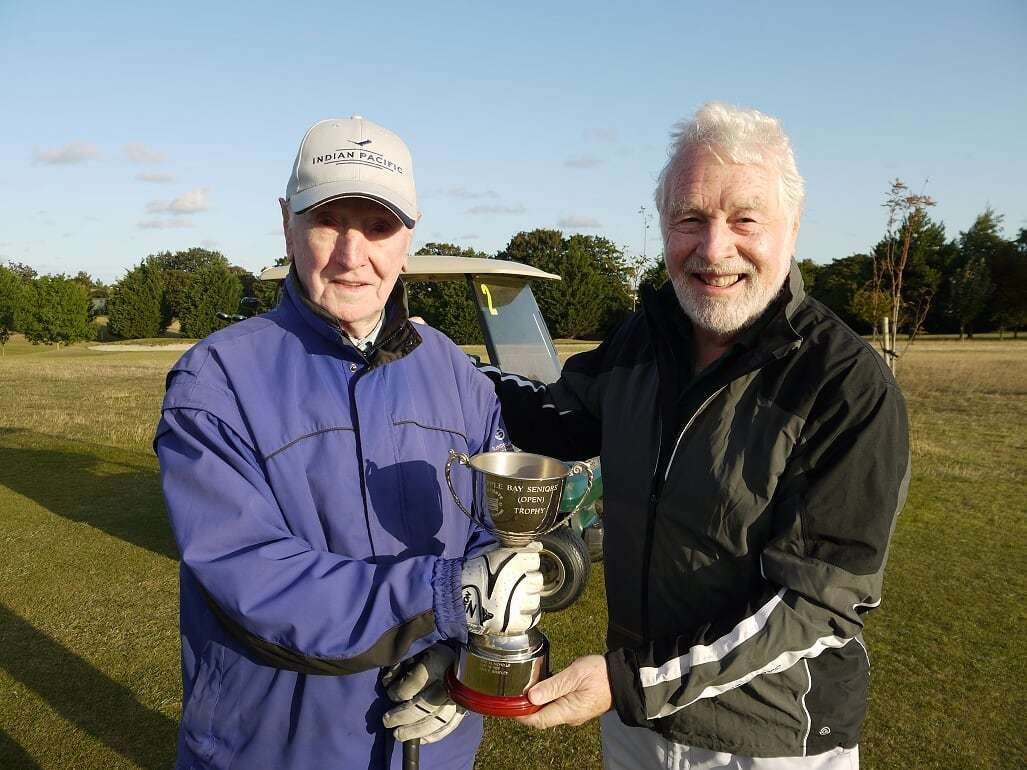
{"x": 410, "y": 243}
{"x": 285, "y": 227}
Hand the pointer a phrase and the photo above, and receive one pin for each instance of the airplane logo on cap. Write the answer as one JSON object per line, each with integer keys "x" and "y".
{"x": 360, "y": 144}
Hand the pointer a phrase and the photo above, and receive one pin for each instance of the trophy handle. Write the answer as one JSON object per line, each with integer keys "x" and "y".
{"x": 576, "y": 469}
{"x": 462, "y": 459}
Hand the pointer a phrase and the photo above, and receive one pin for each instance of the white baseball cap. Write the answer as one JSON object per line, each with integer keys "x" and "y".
{"x": 353, "y": 158}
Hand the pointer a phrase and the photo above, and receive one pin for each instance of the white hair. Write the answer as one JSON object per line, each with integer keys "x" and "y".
{"x": 735, "y": 135}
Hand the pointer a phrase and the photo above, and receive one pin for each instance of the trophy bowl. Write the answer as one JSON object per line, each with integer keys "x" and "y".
{"x": 521, "y": 493}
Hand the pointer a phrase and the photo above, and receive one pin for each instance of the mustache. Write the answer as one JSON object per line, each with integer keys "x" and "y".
{"x": 697, "y": 265}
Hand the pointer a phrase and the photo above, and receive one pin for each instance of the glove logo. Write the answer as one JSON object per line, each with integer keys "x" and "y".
{"x": 472, "y": 608}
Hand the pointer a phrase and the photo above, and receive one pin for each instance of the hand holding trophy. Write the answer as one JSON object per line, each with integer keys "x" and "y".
{"x": 506, "y": 653}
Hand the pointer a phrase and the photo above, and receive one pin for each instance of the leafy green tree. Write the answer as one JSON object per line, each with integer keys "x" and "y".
{"x": 595, "y": 291}
{"x": 1009, "y": 274}
{"x": 870, "y": 305}
{"x": 447, "y": 305}
{"x": 178, "y": 269}
{"x": 655, "y": 275}
{"x": 134, "y": 304}
{"x": 12, "y": 304}
{"x": 837, "y": 283}
{"x": 809, "y": 270}
{"x": 543, "y": 249}
{"x": 21, "y": 269}
{"x": 603, "y": 297}
{"x": 58, "y": 311}
{"x": 212, "y": 289}
{"x": 970, "y": 282}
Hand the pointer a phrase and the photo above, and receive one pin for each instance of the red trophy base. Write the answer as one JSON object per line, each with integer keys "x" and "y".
{"x": 488, "y": 705}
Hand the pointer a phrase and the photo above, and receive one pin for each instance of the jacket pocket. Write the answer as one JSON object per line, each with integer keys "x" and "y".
{"x": 198, "y": 712}
{"x": 411, "y": 498}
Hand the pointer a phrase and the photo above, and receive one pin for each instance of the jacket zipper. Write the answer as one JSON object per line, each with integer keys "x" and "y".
{"x": 696, "y": 413}
{"x": 654, "y": 496}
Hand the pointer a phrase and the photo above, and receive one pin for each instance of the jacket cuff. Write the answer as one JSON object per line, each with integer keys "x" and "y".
{"x": 448, "y": 599}
{"x": 626, "y": 688}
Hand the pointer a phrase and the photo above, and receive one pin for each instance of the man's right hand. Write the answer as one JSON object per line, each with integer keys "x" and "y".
{"x": 502, "y": 590}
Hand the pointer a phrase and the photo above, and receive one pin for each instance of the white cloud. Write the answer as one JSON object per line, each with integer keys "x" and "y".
{"x": 515, "y": 209}
{"x": 137, "y": 152}
{"x": 159, "y": 177}
{"x": 579, "y": 223}
{"x": 601, "y": 135}
{"x": 583, "y": 161}
{"x": 465, "y": 194}
{"x": 164, "y": 224}
{"x": 468, "y": 237}
{"x": 191, "y": 202}
{"x": 69, "y": 154}
{"x": 210, "y": 244}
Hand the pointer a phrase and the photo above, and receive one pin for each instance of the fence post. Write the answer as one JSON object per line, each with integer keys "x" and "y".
{"x": 889, "y": 348}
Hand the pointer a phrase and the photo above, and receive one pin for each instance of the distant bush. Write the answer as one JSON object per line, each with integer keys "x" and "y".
{"x": 58, "y": 311}
{"x": 212, "y": 289}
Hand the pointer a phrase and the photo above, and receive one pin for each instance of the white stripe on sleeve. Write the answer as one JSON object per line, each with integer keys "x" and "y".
{"x": 745, "y": 630}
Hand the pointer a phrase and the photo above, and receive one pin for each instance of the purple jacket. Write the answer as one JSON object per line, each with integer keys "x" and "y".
{"x": 319, "y": 542}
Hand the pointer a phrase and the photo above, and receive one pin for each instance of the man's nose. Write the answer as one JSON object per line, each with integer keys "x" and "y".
{"x": 349, "y": 248}
{"x": 718, "y": 242}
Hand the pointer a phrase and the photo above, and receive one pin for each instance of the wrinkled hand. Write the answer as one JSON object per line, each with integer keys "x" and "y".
{"x": 502, "y": 590}
{"x": 577, "y": 694}
{"x": 425, "y": 710}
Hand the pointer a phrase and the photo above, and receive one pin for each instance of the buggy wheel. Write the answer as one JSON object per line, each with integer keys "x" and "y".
{"x": 565, "y": 565}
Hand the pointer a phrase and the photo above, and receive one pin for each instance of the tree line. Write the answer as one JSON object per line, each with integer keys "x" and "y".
{"x": 915, "y": 275}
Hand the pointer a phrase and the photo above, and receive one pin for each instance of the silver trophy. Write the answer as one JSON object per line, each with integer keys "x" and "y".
{"x": 522, "y": 494}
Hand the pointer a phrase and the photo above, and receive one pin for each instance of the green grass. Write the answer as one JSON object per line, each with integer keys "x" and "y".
{"x": 88, "y": 585}
{"x": 156, "y": 342}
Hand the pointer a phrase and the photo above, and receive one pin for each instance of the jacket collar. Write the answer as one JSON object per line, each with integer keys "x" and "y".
{"x": 396, "y": 339}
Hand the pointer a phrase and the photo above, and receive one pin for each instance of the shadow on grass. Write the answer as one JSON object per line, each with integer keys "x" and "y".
{"x": 83, "y": 695}
{"x": 13, "y": 756}
{"x": 100, "y": 486}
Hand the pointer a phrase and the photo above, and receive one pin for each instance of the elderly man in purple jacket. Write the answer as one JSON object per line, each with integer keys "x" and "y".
{"x": 323, "y": 566}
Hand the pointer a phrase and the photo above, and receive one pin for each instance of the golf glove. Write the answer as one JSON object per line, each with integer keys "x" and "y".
{"x": 425, "y": 710}
{"x": 502, "y": 590}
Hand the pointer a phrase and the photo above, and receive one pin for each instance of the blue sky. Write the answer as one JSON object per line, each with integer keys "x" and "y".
{"x": 130, "y": 128}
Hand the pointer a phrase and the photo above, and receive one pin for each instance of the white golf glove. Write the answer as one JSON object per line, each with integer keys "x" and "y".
{"x": 425, "y": 710}
{"x": 502, "y": 590}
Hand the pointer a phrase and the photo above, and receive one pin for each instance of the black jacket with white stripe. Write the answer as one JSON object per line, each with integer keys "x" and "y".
{"x": 747, "y": 516}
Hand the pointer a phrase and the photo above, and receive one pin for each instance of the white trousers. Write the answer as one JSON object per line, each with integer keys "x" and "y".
{"x": 636, "y": 748}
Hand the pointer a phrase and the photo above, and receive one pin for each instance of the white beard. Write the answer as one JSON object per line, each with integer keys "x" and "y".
{"x": 723, "y": 316}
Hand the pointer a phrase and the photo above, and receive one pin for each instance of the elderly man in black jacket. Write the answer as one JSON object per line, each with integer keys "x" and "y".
{"x": 755, "y": 456}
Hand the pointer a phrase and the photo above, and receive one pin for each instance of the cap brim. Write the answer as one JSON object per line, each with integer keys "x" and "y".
{"x": 330, "y": 191}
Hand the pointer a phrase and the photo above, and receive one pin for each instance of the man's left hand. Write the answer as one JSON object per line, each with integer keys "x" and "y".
{"x": 425, "y": 710}
{"x": 577, "y": 694}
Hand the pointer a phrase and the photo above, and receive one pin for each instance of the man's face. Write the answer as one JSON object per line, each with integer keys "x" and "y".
{"x": 728, "y": 240}
{"x": 348, "y": 254}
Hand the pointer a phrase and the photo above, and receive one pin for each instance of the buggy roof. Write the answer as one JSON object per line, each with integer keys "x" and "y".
{"x": 446, "y": 269}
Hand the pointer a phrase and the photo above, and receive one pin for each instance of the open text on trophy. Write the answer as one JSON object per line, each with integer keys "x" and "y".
{"x": 522, "y": 494}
